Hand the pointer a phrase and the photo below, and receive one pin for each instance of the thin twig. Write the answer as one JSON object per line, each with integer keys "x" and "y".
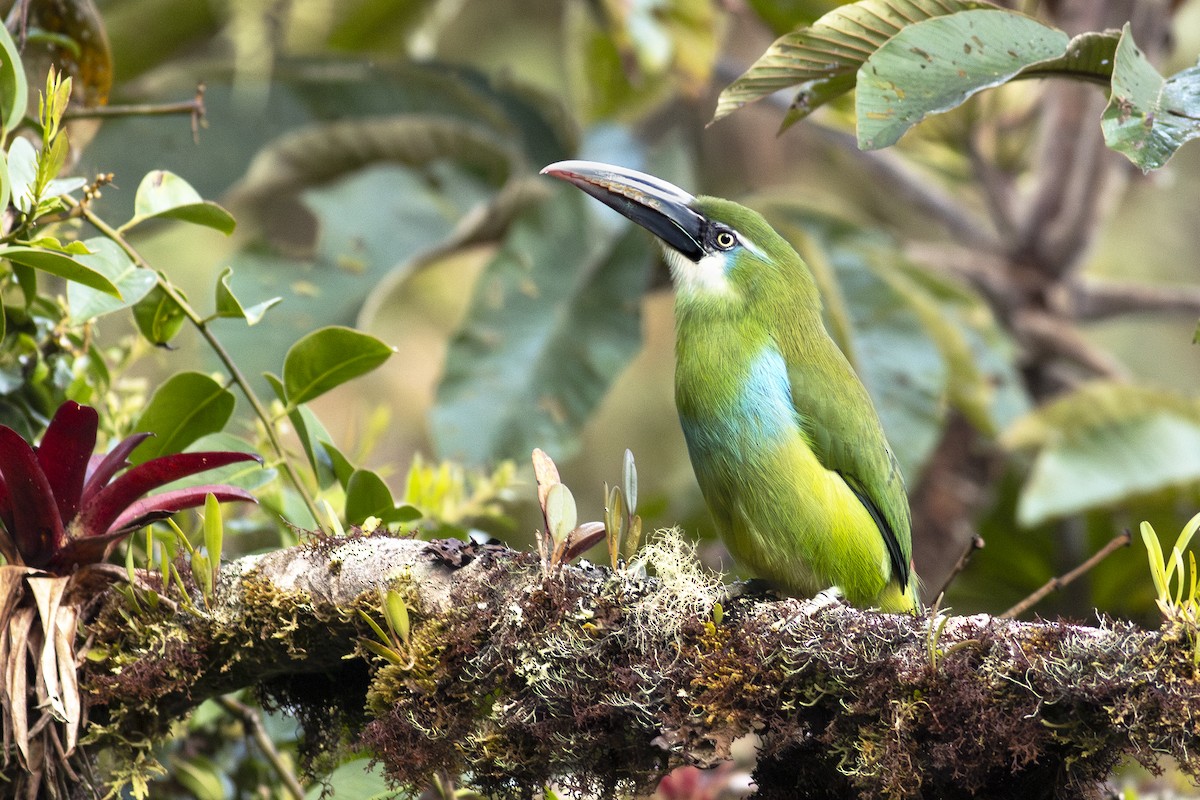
{"x": 194, "y": 108}
{"x": 976, "y": 543}
{"x": 1054, "y": 584}
{"x": 214, "y": 344}
{"x": 253, "y": 724}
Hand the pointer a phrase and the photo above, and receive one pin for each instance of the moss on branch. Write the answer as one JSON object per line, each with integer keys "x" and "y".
{"x": 604, "y": 680}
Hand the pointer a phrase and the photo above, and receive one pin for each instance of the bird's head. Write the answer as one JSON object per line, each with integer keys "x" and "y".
{"x": 715, "y": 248}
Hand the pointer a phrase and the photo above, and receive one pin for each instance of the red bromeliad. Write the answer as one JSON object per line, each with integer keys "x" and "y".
{"x": 61, "y": 506}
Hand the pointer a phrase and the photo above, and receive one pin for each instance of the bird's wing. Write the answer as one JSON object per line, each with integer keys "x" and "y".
{"x": 845, "y": 434}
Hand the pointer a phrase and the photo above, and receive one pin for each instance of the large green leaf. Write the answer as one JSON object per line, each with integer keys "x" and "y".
{"x": 110, "y": 260}
{"x": 327, "y": 358}
{"x": 555, "y": 317}
{"x": 1148, "y": 118}
{"x": 184, "y": 408}
{"x": 1103, "y": 445}
{"x": 822, "y": 59}
{"x": 60, "y": 264}
{"x": 935, "y": 65}
{"x": 13, "y": 89}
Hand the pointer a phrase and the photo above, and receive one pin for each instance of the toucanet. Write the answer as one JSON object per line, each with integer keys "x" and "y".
{"x": 786, "y": 445}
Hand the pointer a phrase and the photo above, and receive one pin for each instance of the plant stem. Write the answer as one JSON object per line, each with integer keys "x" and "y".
{"x": 252, "y": 722}
{"x": 214, "y": 344}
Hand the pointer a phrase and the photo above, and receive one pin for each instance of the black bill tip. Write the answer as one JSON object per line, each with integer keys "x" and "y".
{"x": 660, "y": 207}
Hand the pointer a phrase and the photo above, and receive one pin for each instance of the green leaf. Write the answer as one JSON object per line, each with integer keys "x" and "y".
{"x": 342, "y": 468}
{"x": 214, "y": 530}
{"x": 935, "y": 65}
{"x": 228, "y": 305}
{"x": 14, "y": 92}
{"x": 111, "y": 261}
{"x": 328, "y": 358}
{"x": 165, "y": 195}
{"x": 5, "y": 181}
{"x": 1148, "y": 118}
{"x": 1103, "y": 445}
{"x": 367, "y": 496}
{"x": 201, "y": 777}
{"x": 181, "y": 410}
{"x": 60, "y": 264}
{"x": 823, "y": 58}
{"x": 22, "y": 173}
{"x": 561, "y": 513}
{"x": 158, "y": 316}
{"x": 397, "y": 614}
{"x": 554, "y": 319}
{"x": 358, "y": 778}
{"x": 311, "y": 432}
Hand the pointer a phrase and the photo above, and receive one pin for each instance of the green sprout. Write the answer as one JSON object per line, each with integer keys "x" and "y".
{"x": 564, "y": 537}
{"x": 621, "y": 521}
{"x": 391, "y": 644}
{"x": 1176, "y": 592}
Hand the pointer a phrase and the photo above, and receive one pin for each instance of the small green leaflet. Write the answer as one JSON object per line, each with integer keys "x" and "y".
{"x": 165, "y": 195}
{"x": 228, "y": 304}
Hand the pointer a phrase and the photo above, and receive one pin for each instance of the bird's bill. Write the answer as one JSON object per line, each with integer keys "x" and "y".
{"x": 660, "y": 207}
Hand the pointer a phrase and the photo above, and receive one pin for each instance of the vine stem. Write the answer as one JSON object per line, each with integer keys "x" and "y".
{"x": 214, "y": 344}
{"x": 253, "y": 724}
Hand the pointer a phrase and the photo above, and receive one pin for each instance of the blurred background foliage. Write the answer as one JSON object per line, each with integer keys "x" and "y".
{"x": 381, "y": 159}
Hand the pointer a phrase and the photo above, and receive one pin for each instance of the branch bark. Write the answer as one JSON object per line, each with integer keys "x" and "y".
{"x": 602, "y": 680}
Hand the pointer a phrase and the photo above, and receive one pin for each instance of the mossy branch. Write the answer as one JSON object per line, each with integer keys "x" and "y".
{"x": 604, "y": 680}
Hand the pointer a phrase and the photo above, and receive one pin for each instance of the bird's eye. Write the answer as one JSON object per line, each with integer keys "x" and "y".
{"x": 725, "y": 240}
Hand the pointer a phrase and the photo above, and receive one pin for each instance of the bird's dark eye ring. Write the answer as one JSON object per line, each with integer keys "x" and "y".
{"x": 725, "y": 240}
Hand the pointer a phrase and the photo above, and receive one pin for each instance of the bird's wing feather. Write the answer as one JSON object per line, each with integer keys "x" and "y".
{"x": 851, "y": 443}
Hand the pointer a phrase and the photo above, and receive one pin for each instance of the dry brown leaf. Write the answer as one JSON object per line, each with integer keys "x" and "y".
{"x": 20, "y": 625}
{"x": 546, "y": 473}
{"x": 48, "y": 592}
{"x": 68, "y": 677}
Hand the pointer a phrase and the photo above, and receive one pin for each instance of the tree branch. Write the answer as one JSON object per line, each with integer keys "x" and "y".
{"x": 1057, "y": 337}
{"x": 599, "y": 680}
{"x": 1093, "y": 299}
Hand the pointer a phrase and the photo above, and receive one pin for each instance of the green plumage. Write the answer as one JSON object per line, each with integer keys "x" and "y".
{"x": 785, "y": 443}
{"x": 794, "y": 502}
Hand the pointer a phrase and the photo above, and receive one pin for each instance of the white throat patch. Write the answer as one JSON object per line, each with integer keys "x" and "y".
{"x": 697, "y": 278}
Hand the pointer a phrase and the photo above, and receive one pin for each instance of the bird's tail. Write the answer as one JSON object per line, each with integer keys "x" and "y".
{"x": 899, "y": 599}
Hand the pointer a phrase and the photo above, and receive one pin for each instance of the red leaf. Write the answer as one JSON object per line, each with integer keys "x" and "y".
{"x": 36, "y": 528}
{"x": 102, "y": 468}
{"x": 90, "y": 550}
{"x": 161, "y": 506}
{"x": 103, "y": 509}
{"x": 95, "y": 548}
{"x": 64, "y": 452}
{"x": 5, "y": 506}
